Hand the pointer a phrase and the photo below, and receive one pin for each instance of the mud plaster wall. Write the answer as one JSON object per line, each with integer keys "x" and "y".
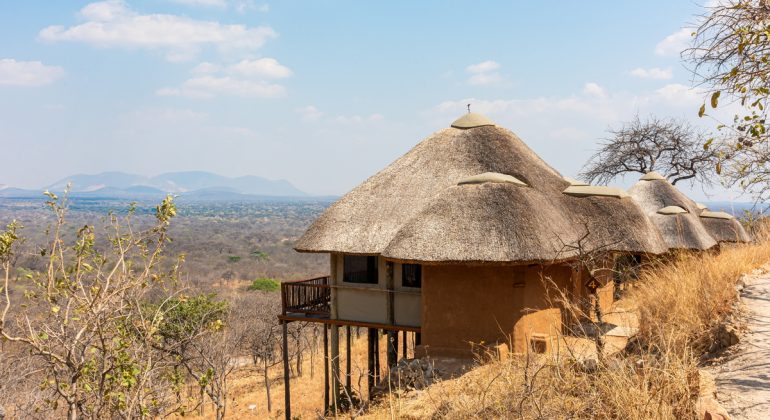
{"x": 488, "y": 304}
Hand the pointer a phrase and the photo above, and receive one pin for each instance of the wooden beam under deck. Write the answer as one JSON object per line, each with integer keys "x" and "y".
{"x": 289, "y": 318}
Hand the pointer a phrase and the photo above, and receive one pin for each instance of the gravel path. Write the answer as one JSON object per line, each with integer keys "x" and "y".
{"x": 743, "y": 381}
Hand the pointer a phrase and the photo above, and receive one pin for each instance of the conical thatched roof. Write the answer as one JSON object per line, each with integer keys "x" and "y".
{"x": 680, "y": 229}
{"x": 458, "y": 196}
{"x": 723, "y": 226}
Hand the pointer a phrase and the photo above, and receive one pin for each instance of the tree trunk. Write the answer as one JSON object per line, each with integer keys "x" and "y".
{"x": 599, "y": 341}
{"x": 299, "y": 359}
{"x": 221, "y": 411}
{"x": 72, "y": 411}
{"x": 267, "y": 387}
{"x": 202, "y": 408}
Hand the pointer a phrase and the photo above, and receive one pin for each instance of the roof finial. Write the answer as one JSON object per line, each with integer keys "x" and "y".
{"x": 469, "y": 108}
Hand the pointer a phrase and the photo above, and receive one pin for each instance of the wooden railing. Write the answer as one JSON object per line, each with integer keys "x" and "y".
{"x": 309, "y": 297}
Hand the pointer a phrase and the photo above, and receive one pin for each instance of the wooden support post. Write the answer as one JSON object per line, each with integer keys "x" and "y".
{"x": 377, "y": 356}
{"x": 335, "y": 362}
{"x": 392, "y": 349}
{"x": 404, "y": 345}
{"x": 326, "y": 369}
{"x": 370, "y": 360}
{"x": 286, "y": 384}
{"x": 348, "y": 359}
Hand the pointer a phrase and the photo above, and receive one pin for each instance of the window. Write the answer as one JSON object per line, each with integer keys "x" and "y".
{"x": 538, "y": 344}
{"x": 359, "y": 269}
{"x": 411, "y": 275}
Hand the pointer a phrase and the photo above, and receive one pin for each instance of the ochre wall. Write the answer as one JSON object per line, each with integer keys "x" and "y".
{"x": 582, "y": 297}
{"x": 487, "y": 304}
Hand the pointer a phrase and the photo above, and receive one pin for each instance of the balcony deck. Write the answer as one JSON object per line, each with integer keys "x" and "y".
{"x": 306, "y": 298}
{"x": 310, "y": 301}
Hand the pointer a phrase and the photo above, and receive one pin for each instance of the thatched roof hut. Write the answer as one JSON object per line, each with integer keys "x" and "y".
{"x": 675, "y": 215}
{"x": 723, "y": 227}
{"x": 475, "y": 193}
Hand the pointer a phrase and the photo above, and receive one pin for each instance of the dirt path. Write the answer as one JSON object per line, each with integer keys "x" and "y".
{"x": 743, "y": 381}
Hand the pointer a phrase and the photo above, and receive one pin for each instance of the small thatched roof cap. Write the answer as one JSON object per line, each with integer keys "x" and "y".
{"x": 680, "y": 229}
{"x": 415, "y": 210}
{"x": 493, "y": 177}
{"x": 671, "y": 210}
{"x": 652, "y": 176}
{"x": 724, "y": 227}
{"x": 472, "y": 120}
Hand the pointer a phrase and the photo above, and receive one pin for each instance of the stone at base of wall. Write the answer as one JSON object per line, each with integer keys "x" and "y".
{"x": 481, "y": 352}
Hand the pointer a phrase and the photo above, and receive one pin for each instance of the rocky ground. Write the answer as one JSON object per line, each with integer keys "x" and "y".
{"x": 743, "y": 376}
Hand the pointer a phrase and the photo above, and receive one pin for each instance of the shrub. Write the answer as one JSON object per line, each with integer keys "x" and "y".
{"x": 265, "y": 284}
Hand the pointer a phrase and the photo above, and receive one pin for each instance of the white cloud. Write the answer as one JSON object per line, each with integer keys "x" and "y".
{"x": 264, "y": 67}
{"x": 309, "y": 113}
{"x": 594, "y": 90}
{"x": 594, "y": 104}
{"x": 205, "y": 3}
{"x": 27, "y": 73}
{"x": 206, "y": 68}
{"x": 680, "y": 95}
{"x": 485, "y": 74}
{"x": 112, "y": 23}
{"x": 483, "y": 67}
{"x": 652, "y": 73}
{"x": 210, "y": 86}
{"x": 243, "y": 6}
{"x": 485, "y": 79}
{"x": 675, "y": 43}
{"x": 246, "y": 78}
{"x": 312, "y": 114}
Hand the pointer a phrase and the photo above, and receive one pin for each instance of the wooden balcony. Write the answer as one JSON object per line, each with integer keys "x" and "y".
{"x": 310, "y": 301}
{"x": 306, "y": 298}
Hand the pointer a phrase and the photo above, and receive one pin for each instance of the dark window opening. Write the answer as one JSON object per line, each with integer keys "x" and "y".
{"x": 411, "y": 275}
{"x": 359, "y": 269}
{"x": 538, "y": 345}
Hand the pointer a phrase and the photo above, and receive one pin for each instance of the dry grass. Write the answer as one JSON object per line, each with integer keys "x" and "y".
{"x": 681, "y": 303}
{"x": 306, "y": 391}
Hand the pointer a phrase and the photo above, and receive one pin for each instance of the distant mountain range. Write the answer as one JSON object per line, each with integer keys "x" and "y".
{"x": 193, "y": 184}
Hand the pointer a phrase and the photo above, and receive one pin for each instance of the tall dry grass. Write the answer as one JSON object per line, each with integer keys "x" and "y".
{"x": 681, "y": 301}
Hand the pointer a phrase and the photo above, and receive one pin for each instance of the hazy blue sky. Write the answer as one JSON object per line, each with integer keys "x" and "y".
{"x": 321, "y": 93}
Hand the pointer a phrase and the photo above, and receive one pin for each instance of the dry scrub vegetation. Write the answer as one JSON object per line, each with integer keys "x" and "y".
{"x": 682, "y": 303}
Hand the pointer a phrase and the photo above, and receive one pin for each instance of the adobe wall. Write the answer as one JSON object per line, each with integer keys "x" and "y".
{"x": 605, "y": 293}
{"x": 488, "y": 304}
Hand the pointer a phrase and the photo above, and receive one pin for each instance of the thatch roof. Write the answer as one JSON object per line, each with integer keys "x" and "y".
{"x": 723, "y": 226}
{"x": 681, "y": 230}
{"x": 414, "y": 209}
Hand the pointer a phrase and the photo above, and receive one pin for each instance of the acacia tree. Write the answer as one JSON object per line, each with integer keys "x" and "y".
{"x": 730, "y": 55}
{"x": 669, "y": 146}
{"x": 262, "y": 336}
{"x": 82, "y": 322}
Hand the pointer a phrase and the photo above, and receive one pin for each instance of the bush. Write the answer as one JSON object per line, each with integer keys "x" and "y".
{"x": 265, "y": 284}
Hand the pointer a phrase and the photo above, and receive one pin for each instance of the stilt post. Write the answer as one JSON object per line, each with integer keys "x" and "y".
{"x": 335, "y": 368}
{"x": 376, "y": 356}
{"x": 286, "y": 383}
{"x": 348, "y": 361}
{"x": 326, "y": 369}
{"x": 370, "y": 360}
{"x": 392, "y": 349}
